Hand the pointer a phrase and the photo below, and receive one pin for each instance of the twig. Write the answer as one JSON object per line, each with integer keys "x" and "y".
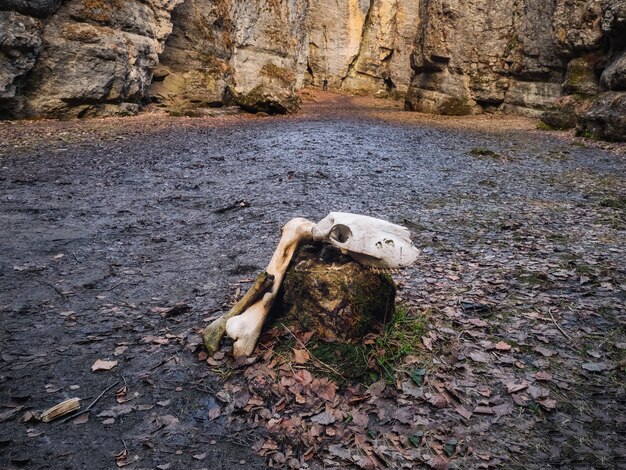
{"x": 86, "y": 410}
{"x": 332, "y": 369}
{"x": 557, "y": 325}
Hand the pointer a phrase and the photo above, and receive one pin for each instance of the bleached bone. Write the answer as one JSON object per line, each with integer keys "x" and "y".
{"x": 246, "y": 328}
{"x": 370, "y": 241}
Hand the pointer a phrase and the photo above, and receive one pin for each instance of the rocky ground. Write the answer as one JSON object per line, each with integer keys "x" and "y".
{"x": 122, "y": 238}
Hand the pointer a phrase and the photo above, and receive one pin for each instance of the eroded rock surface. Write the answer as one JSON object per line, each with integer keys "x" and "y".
{"x": 94, "y": 57}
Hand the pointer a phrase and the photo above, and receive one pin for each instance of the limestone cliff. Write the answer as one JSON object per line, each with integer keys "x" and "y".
{"x": 523, "y": 57}
{"x": 563, "y": 60}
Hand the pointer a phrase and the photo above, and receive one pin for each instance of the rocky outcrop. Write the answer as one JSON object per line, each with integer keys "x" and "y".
{"x": 485, "y": 55}
{"x": 20, "y": 44}
{"x": 268, "y": 99}
{"x": 194, "y": 68}
{"x": 559, "y": 59}
{"x": 95, "y": 57}
{"x": 519, "y": 57}
{"x": 361, "y": 45}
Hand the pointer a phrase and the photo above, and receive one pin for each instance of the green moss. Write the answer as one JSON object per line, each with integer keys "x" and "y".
{"x": 350, "y": 361}
{"x": 483, "y": 152}
{"x": 542, "y": 126}
{"x": 366, "y": 363}
{"x": 283, "y": 75}
{"x": 617, "y": 202}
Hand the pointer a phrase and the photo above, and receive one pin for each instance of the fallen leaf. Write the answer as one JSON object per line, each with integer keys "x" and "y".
{"x": 301, "y": 356}
{"x": 597, "y": 366}
{"x": 483, "y": 410}
{"x": 478, "y": 322}
{"x": 502, "y": 346}
{"x": 324, "y": 418}
{"x": 479, "y": 356}
{"x": 513, "y": 387}
{"x": 543, "y": 375}
{"x": 377, "y": 388}
{"x": 544, "y": 351}
{"x": 463, "y": 411}
{"x": 82, "y": 419}
{"x": 547, "y": 403}
{"x": 214, "y": 413}
{"x": 418, "y": 376}
{"x": 103, "y": 365}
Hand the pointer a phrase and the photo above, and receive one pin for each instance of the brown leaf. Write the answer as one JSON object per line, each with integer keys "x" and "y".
{"x": 214, "y": 413}
{"x": 324, "y": 418}
{"x": 324, "y": 389}
{"x": 304, "y": 377}
{"x": 439, "y": 463}
{"x": 483, "y": 410}
{"x": 428, "y": 342}
{"x": 543, "y": 375}
{"x": 478, "y": 322}
{"x": 547, "y": 403}
{"x": 597, "y": 366}
{"x": 513, "y": 387}
{"x": 103, "y": 365}
{"x": 301, "y": 356}
{"x": 82, "y": 419}
{"x": 544, "y": 351}
{"x": 479, "y": 356}
{"x": 440, "y": 400}
{"x": 377, "y": 388}
{"x": 502, "y": 346}
{"x": 463, "y": 411}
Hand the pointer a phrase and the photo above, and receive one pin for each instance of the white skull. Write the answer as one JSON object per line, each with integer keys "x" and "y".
{"x": 369, "y": 241}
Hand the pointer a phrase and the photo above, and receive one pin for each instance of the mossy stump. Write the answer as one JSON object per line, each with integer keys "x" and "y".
{"x": 334, "y": 297}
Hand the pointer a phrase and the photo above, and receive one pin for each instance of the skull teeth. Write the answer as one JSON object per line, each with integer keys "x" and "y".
{"x": 383, "y": 270}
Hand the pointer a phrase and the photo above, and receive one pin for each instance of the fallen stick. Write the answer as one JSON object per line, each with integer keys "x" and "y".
{"x": 214, "y": 332}
{"x": 558, "y": 326}
{"x": 86, "y": 410}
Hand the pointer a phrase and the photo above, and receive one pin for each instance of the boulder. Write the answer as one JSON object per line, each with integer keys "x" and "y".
{"x": 38, "y": 8}
{"x": 566, "y": 111}
{"x": 580, "y": 78}
{"x": 20, "y": 44}
{"x": 270, "y": 99}
{"x": 614, "y": 76}
{"x": 606, "y": 119}
{"x": 333, "y": 296}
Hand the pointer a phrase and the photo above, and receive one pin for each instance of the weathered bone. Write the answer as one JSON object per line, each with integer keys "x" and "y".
{"x": 246, "y": 328}
{"x": 213, "y": 333}
{"x": 370, "y": 241}
{"x": 376, "y": 243}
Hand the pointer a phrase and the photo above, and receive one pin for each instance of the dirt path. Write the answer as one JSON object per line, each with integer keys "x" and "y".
{"x": 113, "y": 246}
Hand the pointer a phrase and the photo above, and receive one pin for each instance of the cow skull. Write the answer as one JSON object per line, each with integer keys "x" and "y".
{"x": 369, "y": 241}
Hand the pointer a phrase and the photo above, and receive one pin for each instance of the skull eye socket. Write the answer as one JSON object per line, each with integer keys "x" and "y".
{"x": 340, "y": 233}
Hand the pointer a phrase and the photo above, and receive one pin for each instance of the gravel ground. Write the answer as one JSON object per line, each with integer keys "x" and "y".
{"x": 121, "y": 238}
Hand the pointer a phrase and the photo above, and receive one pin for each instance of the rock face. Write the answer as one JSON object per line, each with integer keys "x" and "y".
{"x": 333, "y": 296}
{"x": 101, "y": 57}
{"x": 90, "y": 57}
{"x": 361, "y": 45}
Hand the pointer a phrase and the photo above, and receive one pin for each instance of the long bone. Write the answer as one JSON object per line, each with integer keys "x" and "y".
{"x": 246, "y": 328}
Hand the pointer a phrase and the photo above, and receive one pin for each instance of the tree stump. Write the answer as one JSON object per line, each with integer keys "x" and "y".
{"x": 334, "y": 297}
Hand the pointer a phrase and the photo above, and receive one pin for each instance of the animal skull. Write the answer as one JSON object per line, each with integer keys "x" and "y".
{"x": 370, "y": 241}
